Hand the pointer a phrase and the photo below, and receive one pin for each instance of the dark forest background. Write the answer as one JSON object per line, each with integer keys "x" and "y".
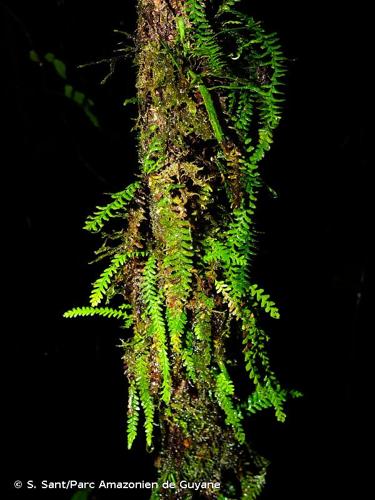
{"x": 65, "y": 393}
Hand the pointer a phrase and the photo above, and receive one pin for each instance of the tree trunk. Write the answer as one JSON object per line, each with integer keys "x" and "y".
{"x": 175, "y": 130}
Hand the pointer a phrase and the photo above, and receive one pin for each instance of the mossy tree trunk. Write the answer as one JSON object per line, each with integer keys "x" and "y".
{"x": 174, "y": 125}
{"x": 208, "y": 97}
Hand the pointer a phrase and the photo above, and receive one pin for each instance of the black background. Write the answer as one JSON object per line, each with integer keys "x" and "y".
{"x": 65, "y": 393}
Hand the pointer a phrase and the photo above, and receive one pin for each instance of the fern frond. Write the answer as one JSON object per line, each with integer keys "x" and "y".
{"x": 153, "y": 299}
{"x": 154, "y": 158}
{"x": 101, "y": 285}
{"x": 226, "y": 6}
{"x": 205, "y": 44}
{"x": 103, "y": 282}
{"x": 133, "y": 414}
{"x": 233, "y": 305}
{"x": 147, "y": 402}
{"x": 242, "y": 119}
{"x": 177, "y": 264}
{"x": 176, "y": 320}
{"x": 264, "y": 300}
{"x": 252, "y": 485}
{"x": 96, "y": 221}
{"x": 268, "y": 392}
{"x": 224, "y": 395}
{"x": 216, "y": 251}
{"x": 257, "y": 362}
{"x": 269, "y": 396}
{"x": 106, "y": 312}
{"x": 241, "y": 249}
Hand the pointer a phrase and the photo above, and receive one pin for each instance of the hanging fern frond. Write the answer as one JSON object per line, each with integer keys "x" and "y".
{"x": 103, "y": 282}
{"x": 176, "y": 266}
{"x": 133, "y": 414}
{"x": 101, "y": 285}
{"x": 143, "y": 384}
{"x": 264, "y": 300}
{"x": 205, "y": 42}
{"x": 96, "y": 221}
{"x": 241, "y": 248}
{"x": 224, "y": 394}
{"x": 252, "y": 485}
{"x": 234, "y": 306}
{"x": 106, "y": 312}
{"x": 153, "y": 299}
{"x": 154, "y": 158}
{"x": 257, "y": 362}
{"x": 268, "y": 396}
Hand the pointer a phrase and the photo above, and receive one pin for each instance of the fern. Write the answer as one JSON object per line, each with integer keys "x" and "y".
{"x": 253, "y": 485}
{"x": 257, "y": 362}
{"x": 176, "y": 320}
{"x": 203, "y": 331}
{"x": 147, "y": 403}
{"x": 209, "y": 96}
{"x": 101, "y": 285}
{"x": 106, "y": 312}
{"x": 224, "y": 395}
{"x": 268, "y": 396}
{"x": 268, "y": 392}
{"x": 233, "y": 305}
{"x": 176, "y": 264}
{"x": 133, "y": 414}
{"x": 226, "y": 6}
{"x": 154, "y": 308}
{"x": 264, "y": 300}
{"x": 241, "y": 248}
{"x": 95, "y": 222}
{"x": 205, "y": 43}
{"x": 154, "y": 157}
{"x": 216, "y": 251}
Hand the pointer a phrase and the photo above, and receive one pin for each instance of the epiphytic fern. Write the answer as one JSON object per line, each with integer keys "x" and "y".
{"x": 264, "y": 301}
{"x": 142, "y": 375}
{"x": 101, "y": 285}
{"x": 106, "y": 312}
{"x": 153, "y": 299}
{"x": 205, "y": 43}
{"x": 96, "y": 221}
{"x": 154, "y": 157}
{"x": 241, "y": 246}
{"x": 209, "y": 101}
{"x": 224, "y": 395}
{"x": 133, "y": 413}
{"x": 226, "y": 5}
